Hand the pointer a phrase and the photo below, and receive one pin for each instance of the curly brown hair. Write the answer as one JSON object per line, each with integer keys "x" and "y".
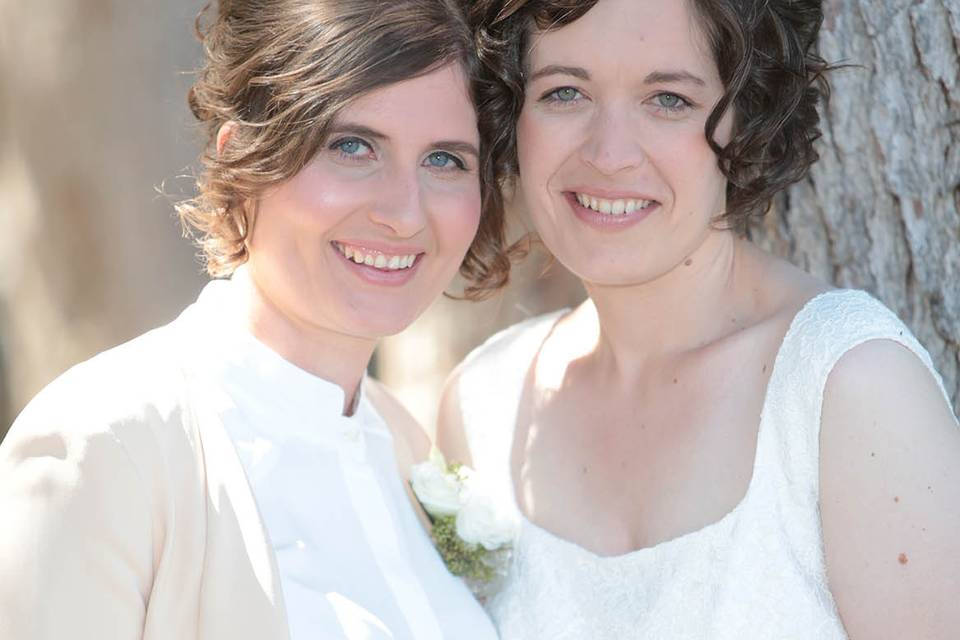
{"x": 766, "y": 54}
{"x": 281, "y": 70}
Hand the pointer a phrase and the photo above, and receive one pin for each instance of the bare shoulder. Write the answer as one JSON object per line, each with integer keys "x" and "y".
{"x": 413, "y": 444}
{"x": 777, "y": 290}
{"x": 890, "y": 495}
{"x": 790, "y": 287}
{"x": 485, "y": 366}
{"x": 451, "y": 437}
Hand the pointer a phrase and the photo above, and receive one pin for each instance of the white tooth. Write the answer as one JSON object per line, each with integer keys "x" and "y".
{"x": 358, "y": 257}
{"x": 411, "y": 259}
{"x": 593, "y": 204}
{"x": 630, "y": 207}
{"x": 380, "y": 262}
{"x": 618, "y": 207}
{"x": 644, "y": 204}
{"x": 347, "y": 251}
{"x": 394, "y": 263}
{"x": 368, "y": 260}
{"x": 583, "y": 200}
{"x": 604, "y": 206}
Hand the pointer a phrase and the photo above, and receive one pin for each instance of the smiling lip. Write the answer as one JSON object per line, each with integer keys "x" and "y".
{"x": 617, "y": 211}
{"x": 385, "y": 275}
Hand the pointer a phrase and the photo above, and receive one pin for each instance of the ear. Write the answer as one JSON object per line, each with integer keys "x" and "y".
{"x": 226, "y": 132}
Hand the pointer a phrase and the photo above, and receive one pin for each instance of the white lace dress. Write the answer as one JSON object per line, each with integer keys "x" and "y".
{"x": 758, "y": 572}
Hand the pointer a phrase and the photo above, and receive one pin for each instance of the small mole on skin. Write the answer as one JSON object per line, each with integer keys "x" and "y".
{"x": 896, "y": 498}
{"x": 688, "y": 262}
{"x": 584, "y": 470}
{"x": 873, "y": 455}
{"x": 902, "y": 558}
{"x": 674, "y": 381}
{"x": 764, "y": 369}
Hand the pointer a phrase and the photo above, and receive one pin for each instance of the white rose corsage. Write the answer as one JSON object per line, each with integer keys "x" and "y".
{"x": 473, "y": 536}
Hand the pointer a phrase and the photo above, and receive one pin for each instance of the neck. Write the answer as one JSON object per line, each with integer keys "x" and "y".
{"x": 683, "y": 310}
{"x": 325, "y": 353}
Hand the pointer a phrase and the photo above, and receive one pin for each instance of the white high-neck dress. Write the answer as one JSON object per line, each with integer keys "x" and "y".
{"x": 354, "y": 561}
{"x": 759, "y": 572}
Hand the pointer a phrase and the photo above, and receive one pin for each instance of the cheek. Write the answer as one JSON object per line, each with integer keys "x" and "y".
{"x": 317, "y": 199}
{"x": 544, "y": 147}
{"x": 539, "y": 145}
{"x": 688, "y": 165}
{"x": 455, "y": 218}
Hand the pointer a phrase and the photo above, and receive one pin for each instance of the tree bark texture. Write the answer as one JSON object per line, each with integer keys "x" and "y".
{"x": 879, "y": 210}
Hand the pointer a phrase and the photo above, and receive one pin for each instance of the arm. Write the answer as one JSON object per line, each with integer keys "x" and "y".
{"x": 76, "y": 553}
{"x": 890, "y": 496}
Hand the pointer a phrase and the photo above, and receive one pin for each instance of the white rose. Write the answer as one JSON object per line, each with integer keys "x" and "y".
{"x": 480, "y": 522}
{"x": 438, "y": 491}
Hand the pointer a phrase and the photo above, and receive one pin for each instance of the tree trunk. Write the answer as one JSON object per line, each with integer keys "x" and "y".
{"x": 879, "y": 211}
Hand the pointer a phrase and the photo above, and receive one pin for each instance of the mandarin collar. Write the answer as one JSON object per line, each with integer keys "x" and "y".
{"x": 230, "y": 352}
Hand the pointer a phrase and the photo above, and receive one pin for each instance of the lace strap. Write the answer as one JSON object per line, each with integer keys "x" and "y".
{"x": 825, "y": 329}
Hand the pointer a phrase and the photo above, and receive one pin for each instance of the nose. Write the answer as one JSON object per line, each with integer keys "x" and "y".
{"x": 612, "y": 144}
{"x": 398, "y": 205}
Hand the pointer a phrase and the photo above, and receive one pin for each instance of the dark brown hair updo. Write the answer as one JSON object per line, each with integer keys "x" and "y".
{"x": 282, "y": 70}
{"x": 766, "y": 54}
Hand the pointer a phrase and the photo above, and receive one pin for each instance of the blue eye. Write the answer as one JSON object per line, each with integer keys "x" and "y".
{"x": 444, "y": 160}
{"x": 351, "y": 147}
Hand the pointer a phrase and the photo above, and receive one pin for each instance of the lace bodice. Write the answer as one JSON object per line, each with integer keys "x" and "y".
{"x": 758, "y": 572}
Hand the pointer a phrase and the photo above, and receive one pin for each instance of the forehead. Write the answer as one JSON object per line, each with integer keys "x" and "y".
{"x": 628, "y": 36}
{"x": 437, "y": 103}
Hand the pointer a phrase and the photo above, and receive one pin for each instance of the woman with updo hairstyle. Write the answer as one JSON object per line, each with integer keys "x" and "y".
{"x": 234, "y": 474}
{"x": 714, "y": 444}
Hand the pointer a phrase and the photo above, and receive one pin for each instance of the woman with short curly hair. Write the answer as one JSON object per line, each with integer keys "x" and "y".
{"x": 715, "y": 444}
{"x": 234, "y": 474}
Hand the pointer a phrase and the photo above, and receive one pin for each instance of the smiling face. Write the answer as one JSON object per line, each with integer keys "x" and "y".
{"x": 364, "y": 237}
{"x": 614, "y": 164}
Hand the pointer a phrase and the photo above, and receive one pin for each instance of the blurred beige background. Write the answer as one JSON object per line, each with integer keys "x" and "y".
{"x": 93, "y": 121}
{"x": 93, "y": 126}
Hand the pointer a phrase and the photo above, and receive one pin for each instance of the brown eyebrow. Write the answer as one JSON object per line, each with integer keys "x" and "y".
{"x": 655, "y": 77}
{"x": 457, "y": 146}
{"x": 348, "y": 128}
{"x": 341, "y": 128}
{"x": 556, "y": 69}
{"x": 663, "y": 77}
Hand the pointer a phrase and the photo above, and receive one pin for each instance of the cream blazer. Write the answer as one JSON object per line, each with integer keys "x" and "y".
{"x": 125, "y": 512}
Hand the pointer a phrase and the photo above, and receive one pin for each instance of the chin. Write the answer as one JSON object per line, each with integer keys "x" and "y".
{"x": 378, "y": 321}
{"x": 625, "y": 276}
